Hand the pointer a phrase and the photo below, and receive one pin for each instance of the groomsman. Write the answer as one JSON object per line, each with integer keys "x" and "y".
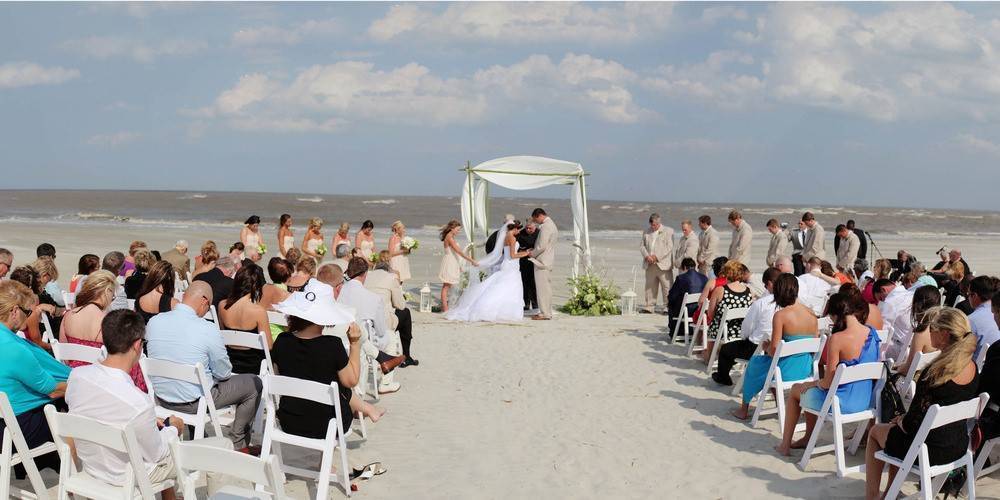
{"x": 847, "y": 249}
{"x": 799, "y": 244}
{"x": 739, "y": 247}
{"x": 526, "y": 239}
{"x": 780, "y": 245}
{"x": 687, "y": 246}
{"x": 657, "y": 251}
{"x": 543, "y": 256}
{"x": 708, "y": 244}
{"x": 815, "y": 245}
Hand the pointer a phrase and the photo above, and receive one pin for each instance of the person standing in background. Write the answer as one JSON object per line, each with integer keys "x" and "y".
{"x": 799, "y": 244}
{"x": 657, "y": 252}
{"x": 708, "y": 245}
{"x": 780, "y": 245}
{"x": 526, "y": 240}
{"x": 687, "y": 246}
{"x": 847, "y": 249}
{"x": 739, "y": 247}
{"x": 815, "y": 246}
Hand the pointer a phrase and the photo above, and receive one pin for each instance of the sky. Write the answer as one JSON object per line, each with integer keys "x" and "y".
{"x": 809, "y": 103}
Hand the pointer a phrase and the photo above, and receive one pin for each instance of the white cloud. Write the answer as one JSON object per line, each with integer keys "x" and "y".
{"x": 293, "y": 35}
{"x": 713, "y": 81}
{"x": 523, "y": 22}
{"x": 712, "y": 15}
{"x": 329, "y": 97}
{"x": 113, "y": 140}
{"x": 975, "y": 144}
{"x": 25, "y": 74}
{"x": 109, "y": 47}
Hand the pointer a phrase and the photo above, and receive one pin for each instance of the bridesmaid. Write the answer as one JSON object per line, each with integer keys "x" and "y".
{"x": 451, "y": 268}
{"x": 250, "y": 237}
{"x": 341, "y": 237}
{"x": 398, "y": 259}
{"x": 286, "y": 239}
{"x": 313, "y": 238}
{"x": 364, "y": 241}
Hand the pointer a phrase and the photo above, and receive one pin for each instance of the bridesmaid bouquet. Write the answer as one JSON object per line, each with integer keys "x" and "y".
{"x": 261, "y": 249}
{"x": 410, "y": 244}
{"x": 321, "y": 249}
{"x": 374, "y": 258}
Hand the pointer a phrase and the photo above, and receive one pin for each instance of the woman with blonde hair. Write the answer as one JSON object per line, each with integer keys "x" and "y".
{"x": 144, "y": 261}
{"x": 313, "y": 238}
{"x": 205, "y": 260}
{"x": 734, "y": 294}
{"x": 129, "y": 266}
{"x": 305, "y": 269}
{"x": 398, "y": 259}
{"x": 951, "y": 378}
{"x": 342, "y": 236}
{"x": 451, "y": 269}
{"x": 50, "y": 293}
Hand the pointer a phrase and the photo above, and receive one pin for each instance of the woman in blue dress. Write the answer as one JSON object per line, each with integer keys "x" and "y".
{"x": 792, "y": 321}
{"x": 852, "y": 342}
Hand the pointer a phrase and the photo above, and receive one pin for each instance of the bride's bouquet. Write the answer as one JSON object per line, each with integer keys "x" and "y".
{"x": 410, "y": 244}
{"x": 321, "y": 249}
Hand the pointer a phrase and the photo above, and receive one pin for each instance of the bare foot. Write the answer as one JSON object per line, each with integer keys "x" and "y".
{"x": 800, "y": 444}
{"x": 741, "y": 413}
{"x": 376, "y": 414}
{"x": 783, "y": 451}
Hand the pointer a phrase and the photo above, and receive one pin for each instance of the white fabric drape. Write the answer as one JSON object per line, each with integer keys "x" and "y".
{"x": 523, "y": 173}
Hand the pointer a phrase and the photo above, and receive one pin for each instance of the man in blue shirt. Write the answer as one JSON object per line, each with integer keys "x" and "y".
{"x": 182, "y": 336}
{"x": 689, "y": 281}
{"x": 984, "y": 325}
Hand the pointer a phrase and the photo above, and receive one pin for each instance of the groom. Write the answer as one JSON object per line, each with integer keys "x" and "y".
{"x": 543, "y": 256}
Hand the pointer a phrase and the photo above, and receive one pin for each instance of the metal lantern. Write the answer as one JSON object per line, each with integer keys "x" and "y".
{"x": 628, "y": 303}
{"x": 425, "y": 298}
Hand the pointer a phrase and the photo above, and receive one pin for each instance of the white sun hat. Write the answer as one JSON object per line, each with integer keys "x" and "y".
{"x": 316, "y": 304}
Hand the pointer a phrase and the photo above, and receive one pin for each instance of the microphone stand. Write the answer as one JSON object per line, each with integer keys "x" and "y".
{"x": 874, "y": 246}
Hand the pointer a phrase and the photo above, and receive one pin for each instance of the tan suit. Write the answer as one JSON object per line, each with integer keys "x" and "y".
{"x": 387, "y": 286}
{"x": 658, "y": 244}
{"x": 181, "y": 262}
{"x": 847, "y": 252}
{"x": 708, "y": 249}
{"x": 739, "y": 247}
{"x": 544, "y": 257}
{"x": 815, "y": 244}
{"x": 781, "y": 245}
{"x": 687, "y": 247}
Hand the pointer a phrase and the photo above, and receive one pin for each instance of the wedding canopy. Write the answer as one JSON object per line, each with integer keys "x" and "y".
{"x": 523, "y": 173}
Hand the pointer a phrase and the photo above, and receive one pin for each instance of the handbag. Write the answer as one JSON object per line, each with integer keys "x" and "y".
{"x": 891, "y": 403}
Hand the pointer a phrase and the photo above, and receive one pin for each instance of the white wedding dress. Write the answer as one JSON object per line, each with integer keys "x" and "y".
{"x": 499, "y": 298}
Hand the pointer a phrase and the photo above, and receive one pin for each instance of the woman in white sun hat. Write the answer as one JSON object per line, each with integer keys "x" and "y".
{"x": 304, "y": 352}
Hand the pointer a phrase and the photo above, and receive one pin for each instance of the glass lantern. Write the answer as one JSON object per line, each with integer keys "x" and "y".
{"x": 628, "y": 303}
{"x": 425, "y": 298}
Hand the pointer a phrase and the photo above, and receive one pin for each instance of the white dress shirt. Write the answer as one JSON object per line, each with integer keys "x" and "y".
{"x": 813, "y": 292}
{"x": 759, "y": 321}
{"x": 369, "y": 306}
{"x": 902, "y": 331}
{"x": 984, "y": 325}
{"x": 899, "y": 301}
{"x": 109, "y": 395}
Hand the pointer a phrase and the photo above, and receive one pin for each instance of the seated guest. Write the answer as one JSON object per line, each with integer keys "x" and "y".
{"x": 813, "y": 289}
{"x": 901, "y": 264}
{"x": 924, "y": 298}
{"x": 756, "y": 328}
{"x": 861, "y": 273}
{"x": 144, "y": 260}
{"x": 305, "y": 269}
{"x": 6, "y": 262}
{"x": 82, "y": 324}
{"x": 219, "y": 277}
{"x": 874, "y": 315}
{"x": 104, "y": 392}
{"x": 236, "y": 251}
{"x": 711, "y": 285}
{"x": 827, "y": 270}
{"x": 383, "y": 341}
{"x": 920, "y": 339}
{"x": 892, "y": 299}
{"x": 964, "y": 305}
{"x": 852, "y": 342}
{"x": 880, "y": 271}
{"x": 205, "y": 260}
{"x": 29, "y": 376}
{"x": 957, "y": 270}
{"x": 343, "y": 253}
{"x": 293, "y": 256}
{"x": 279, "y": 270}
{"x": 157, "y": 292}
{"x": 734, "y": 294}
{"x": 128, "y": 267}
{"x": 688, "y": 281}
{"x": 242, "y": 311}
{"x": 27, "y": 276}
{"x": 984, "y": 324}
{"x": 88, "y": 264}
{"x": 793, "y": 321}
{"x": 951, "y": 378}
{"x": 178, "y": 258}
{"x": 47, "y": 276}
{"x": 182, "y": 336}
{"x": 918, "y": 276}
{"x": 112, "y": 263}
{"x": 385, "y": 282}
{"x": 304, "y": 352}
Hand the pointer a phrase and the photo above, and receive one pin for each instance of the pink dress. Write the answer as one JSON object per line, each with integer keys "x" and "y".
{"x": 135, "y": 373}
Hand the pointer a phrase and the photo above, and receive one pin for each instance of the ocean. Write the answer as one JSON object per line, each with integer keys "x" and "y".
{"x": 424, "y": 214}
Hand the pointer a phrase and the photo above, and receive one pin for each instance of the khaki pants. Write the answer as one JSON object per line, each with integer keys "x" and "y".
{"x": 657, "y": 280}
{"x": 543, "y": 291}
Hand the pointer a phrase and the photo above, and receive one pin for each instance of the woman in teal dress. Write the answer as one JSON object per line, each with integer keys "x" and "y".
{"x": 792, "y": 321}
{"x": 851, "y": 343}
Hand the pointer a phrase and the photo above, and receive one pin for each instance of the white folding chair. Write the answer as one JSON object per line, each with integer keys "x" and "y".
{"x": 723, "y": 336}
{"x": 74, "y": 481}
{"x": 981, "y": 355}
{"x": 206, "y": 412}
{"x": 341, "y": 332}
{"x": 276, "y": 318}
{"x": 69, "y": 299}
{"x": 909, "y": 383}
{"x": 66, "y": 352}
{"x": 370, "y": 371}
{"x": 916, "y": 461}
{"x": 740, "y": 368}
{"x": 775, "y": 380}
{"x": 236, "y": 338}
{"x": 213, "y": 316}
{"x": 683, "y": 320}
{"x": 987, "y": 450}
{"x": 701, "y": 325}
{"x": 14, "y": 451}
{"x": 192, "y": 458}
{"x": 49, "y": 335}
{"x": 276, "y": 387}
{"x": 831, "y": 411}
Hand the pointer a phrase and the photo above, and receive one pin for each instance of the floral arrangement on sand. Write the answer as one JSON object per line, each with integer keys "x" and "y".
{"x": 593, "y": 297}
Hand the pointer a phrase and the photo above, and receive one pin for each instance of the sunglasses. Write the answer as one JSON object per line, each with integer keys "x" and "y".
{"x": 26, "y": 312}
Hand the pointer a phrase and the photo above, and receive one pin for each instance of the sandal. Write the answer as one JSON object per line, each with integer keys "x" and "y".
{"x": 369, "y": 471}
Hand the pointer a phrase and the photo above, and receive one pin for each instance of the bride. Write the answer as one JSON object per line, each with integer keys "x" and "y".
{"x": 500, "y": 296}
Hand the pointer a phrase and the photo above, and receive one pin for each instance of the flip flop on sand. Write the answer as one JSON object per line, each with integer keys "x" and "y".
{"x": 369, "y": 471}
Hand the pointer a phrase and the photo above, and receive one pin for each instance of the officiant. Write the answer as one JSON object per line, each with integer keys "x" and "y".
{"x": 526, "y": 239}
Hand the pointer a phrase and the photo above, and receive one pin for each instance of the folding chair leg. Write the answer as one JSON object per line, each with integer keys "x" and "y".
{"x": 984, "y": 454}
{"x": 838, "y": 447}
{"x": 345, "y": 478}
{"x": 927, "y": 489}
{"x": 323, "y": 481}
{"x": 5, "y": 468}
{"x": 738, "y": 386}
{"x": 859, "y": 434}
{"x": 970, "y": 479}
{"x": 820, "y": 420}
